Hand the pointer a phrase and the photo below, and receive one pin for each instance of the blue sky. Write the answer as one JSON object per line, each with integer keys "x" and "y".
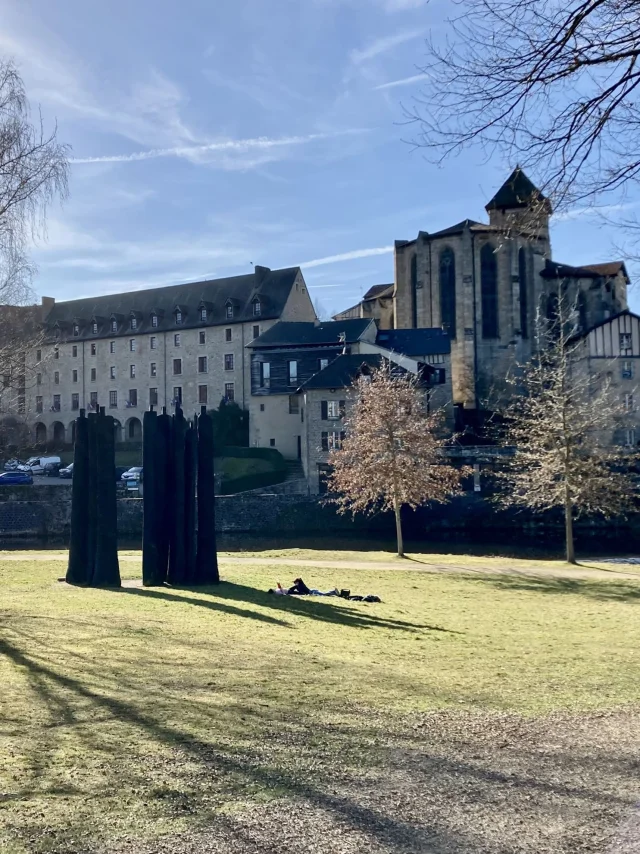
{"x": 208, "y": 135}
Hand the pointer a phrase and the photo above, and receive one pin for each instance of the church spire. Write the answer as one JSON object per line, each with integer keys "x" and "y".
{"x": 518, "y": 191}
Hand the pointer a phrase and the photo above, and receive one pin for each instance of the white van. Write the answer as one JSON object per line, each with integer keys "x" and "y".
{"x": 36, "y": 464}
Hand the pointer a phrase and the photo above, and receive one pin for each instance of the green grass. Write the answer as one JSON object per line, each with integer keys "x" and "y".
{"x": 156, "y": 709}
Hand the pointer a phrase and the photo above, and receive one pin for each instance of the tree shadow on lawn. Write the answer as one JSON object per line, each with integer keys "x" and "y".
{"x": 352, "y": 807}
{"x": 609, "y": 591}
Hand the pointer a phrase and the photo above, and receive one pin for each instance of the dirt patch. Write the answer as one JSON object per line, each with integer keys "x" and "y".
{"x": 442, "y": 783}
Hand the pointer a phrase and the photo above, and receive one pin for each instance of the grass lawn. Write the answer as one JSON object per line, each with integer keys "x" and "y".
{"x": 470, "y": 713}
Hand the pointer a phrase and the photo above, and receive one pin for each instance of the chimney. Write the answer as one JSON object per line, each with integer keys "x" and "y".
{"x": 46, "y": 306}
{"x": 260, "y": 274}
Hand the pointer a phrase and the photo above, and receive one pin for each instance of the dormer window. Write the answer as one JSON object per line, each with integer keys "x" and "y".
{"x": 229, "y": 313}
{"x": 203, "y": 314}
{"x": 114, "y": 325}
{"x": 76, "y": 330}
{"x": 178, "y": 316}
{"x": 94, "y": 327}
{"x": 154, "y": 321}
{"x": 134, "y": 322}
{"x": 257, "y": 308}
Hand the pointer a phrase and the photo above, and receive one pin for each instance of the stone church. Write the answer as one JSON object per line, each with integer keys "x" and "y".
{"x": 487, "y": 283}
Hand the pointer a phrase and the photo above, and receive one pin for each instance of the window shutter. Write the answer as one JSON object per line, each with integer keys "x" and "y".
{"x": 323, "y": 411}
{"x": 341, "y": 408}
{"x": 325, "y": 439}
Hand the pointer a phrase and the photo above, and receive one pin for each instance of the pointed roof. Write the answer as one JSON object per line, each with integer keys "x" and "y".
{"x": 518, "y": 191}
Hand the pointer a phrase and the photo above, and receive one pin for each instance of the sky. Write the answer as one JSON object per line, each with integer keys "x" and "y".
{"x": 210, "y": 135}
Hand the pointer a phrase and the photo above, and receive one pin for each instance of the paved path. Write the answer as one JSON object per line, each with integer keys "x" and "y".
{"x": 410, "y": 565}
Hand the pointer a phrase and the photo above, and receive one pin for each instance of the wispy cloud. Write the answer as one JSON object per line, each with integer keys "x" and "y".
{"x": 382, "y": 45}
{"x": 347, "y": 256}
{"x": 404, "y": 82}
{"x": 592, "y": 211}
{"x": 238, "y": 146}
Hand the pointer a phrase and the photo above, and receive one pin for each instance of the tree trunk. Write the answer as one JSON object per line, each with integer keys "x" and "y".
{"x": 568, "y": 527}
{"x": 399, "y": 530}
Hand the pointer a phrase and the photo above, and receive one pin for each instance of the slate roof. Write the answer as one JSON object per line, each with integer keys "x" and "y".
{"x": 555, "y": 270}
{"x": 516, "y": 192}
{"x": 414, "y": 342}
{"x": 341, "y": 372}
{"x": 377, "y": 291}
{"x": 272, "y": 287}
{"x": 459, "y": 227}
{"x": 302, "y": 334}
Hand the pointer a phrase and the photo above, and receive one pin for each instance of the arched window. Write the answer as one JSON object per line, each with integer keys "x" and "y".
{"x": 524, "y": 305}
{"x": 448, "y": 291}
{"x": 581, "y": 305}
{"x": 414, "y": 289}
{"x": 489, "y": 290}
{"x": 553, "y": 314}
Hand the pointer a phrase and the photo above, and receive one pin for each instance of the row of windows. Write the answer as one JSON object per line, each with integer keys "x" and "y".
{"x": 179, "y": 315}
{"x": 203, "y": 368}
{"x": 292, "y": 372}
{"x": 132, "y": 398}
{"x": 153, "y": 343}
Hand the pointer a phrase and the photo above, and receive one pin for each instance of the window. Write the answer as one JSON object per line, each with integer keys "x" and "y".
{"x": 56, "y": 378}
{"x": 202, "y": 394}
{"x": 39, "y": 403}
{"x": 75, "y": 401}
{"x": 94, "y": 328}
{"x": 448, "y": 291}
{"x": 56, "y": 353}
{"x": 93, "y": 400}
{"x": 257, "y": 308}
{"x": 132, "y": 345}
{"x": 74, "y": 351}
{"x": 177, "y": 395}
{"x": 202, "y": 364}
{"x": 203, "y": 314}
{"x": 332, "y": 410}
{"x": 265, "y": 374}
{"x": 133, "y": 397}
{"x": 272, "y": 443}
{"x": 294, "y": 404}
{"x": 132, "y": 372}
{"x": 112, "y": 372}
{"x": 332, "y": 440}
{"x": 74, "y": 376}
{"x": 94, "y": 375}
{"x": 627, "y": 370}
{"x": 628, "y": 402}
{"x": 114, "y": 325}
{"x": 153, "y": 343}
{"x": 38, "y": 355}
{"x": 38, "y": 380}
{"x": 154, "y": 321}
{"x": 177, "y": 367}
{"x": 153, "y": 369}
{"x": 229, "y": 391}
{"x": 176, "y": 339}
{"x": 94, "y": 349}
{"x": 133, "y": 323}
{"x": 323, "y": 364}
{"x": 256, "y": 331}
{"x": 227, "y": 334}
{"x": 293, "y": 372}
{"x": 489, "y": 291}
{"x": 262, "y": 407}
{"x": 229, "y": 311}
{"x": 153, "y": 397}
{"x": 76, "y": 330}
{"x": 178, "y": 316}
{"x": 113, "y": 399}
{"x": 625, "y": 341}
{"x": 228, "y": 361}
{"x": 112, "y": 346}
{"x": 56, "y": 403}
{"x": 202, "y": 338}
{"x": 582, "y": 311}
{"x": 630, "y": 437}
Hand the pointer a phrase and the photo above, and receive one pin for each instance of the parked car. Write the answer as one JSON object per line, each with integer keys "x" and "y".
{"x": 120, "y": 470}
{"x": 51, "y": 469}
{"x": 13, "y": 465}
{"x": 36, "y": 465}
{"x": 66, "y": 473}
{"x": 134, "y": 473}
{"x": 13, "y": 478}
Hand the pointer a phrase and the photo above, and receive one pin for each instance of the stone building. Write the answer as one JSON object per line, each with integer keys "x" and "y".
{"x": 183, "y": 343}
{"x": 376, "y": 303}
{"x": 486, "y": 283}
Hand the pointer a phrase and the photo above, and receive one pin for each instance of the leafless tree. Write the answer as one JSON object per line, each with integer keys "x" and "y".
{"x": 561, "y": 425}
{"x": 392, "y": 454}
{"x": 551, "y": 85}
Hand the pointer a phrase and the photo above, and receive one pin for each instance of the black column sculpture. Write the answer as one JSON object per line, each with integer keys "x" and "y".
{"x": 207, "y": 557}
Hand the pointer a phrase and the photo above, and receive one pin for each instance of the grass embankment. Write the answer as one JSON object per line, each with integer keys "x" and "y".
{"x": 133, "y": 713}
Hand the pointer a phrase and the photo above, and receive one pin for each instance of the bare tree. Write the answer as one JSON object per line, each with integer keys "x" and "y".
{"x": 392, "y": 454}
{"x": 561, "y": 425}
{"x": 552, "y": 85}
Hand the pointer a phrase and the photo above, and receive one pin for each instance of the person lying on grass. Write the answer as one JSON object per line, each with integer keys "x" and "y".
{"x": 300, "y": 589}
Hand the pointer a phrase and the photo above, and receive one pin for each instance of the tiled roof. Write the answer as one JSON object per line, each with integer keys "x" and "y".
{"x": 342, "y": 371}
{"x": 377, "y": 291}
{"x": 414, "y": 342}
{"x": 609, "y": 268}
{"x": 516, "y": 192}
{"x": 301, "y": 334}
{"x": 555, "y": 270}
{"x": 272, "y": 287}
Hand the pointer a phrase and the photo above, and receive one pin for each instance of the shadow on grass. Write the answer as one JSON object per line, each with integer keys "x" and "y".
{"x": 610, "y": 591}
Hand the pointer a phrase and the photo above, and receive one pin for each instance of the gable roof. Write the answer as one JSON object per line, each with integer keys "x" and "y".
{"x": 342, "y": 371}
{"x": 518, "y": 191}
{"x": 303, "y": 334}
{"x": 272, "y": 287}
{"x": 377, "y": 291}
{"x": 556, "y": 270}
{"x": 415, "y": 342}
{"x": 625, "y": 312}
